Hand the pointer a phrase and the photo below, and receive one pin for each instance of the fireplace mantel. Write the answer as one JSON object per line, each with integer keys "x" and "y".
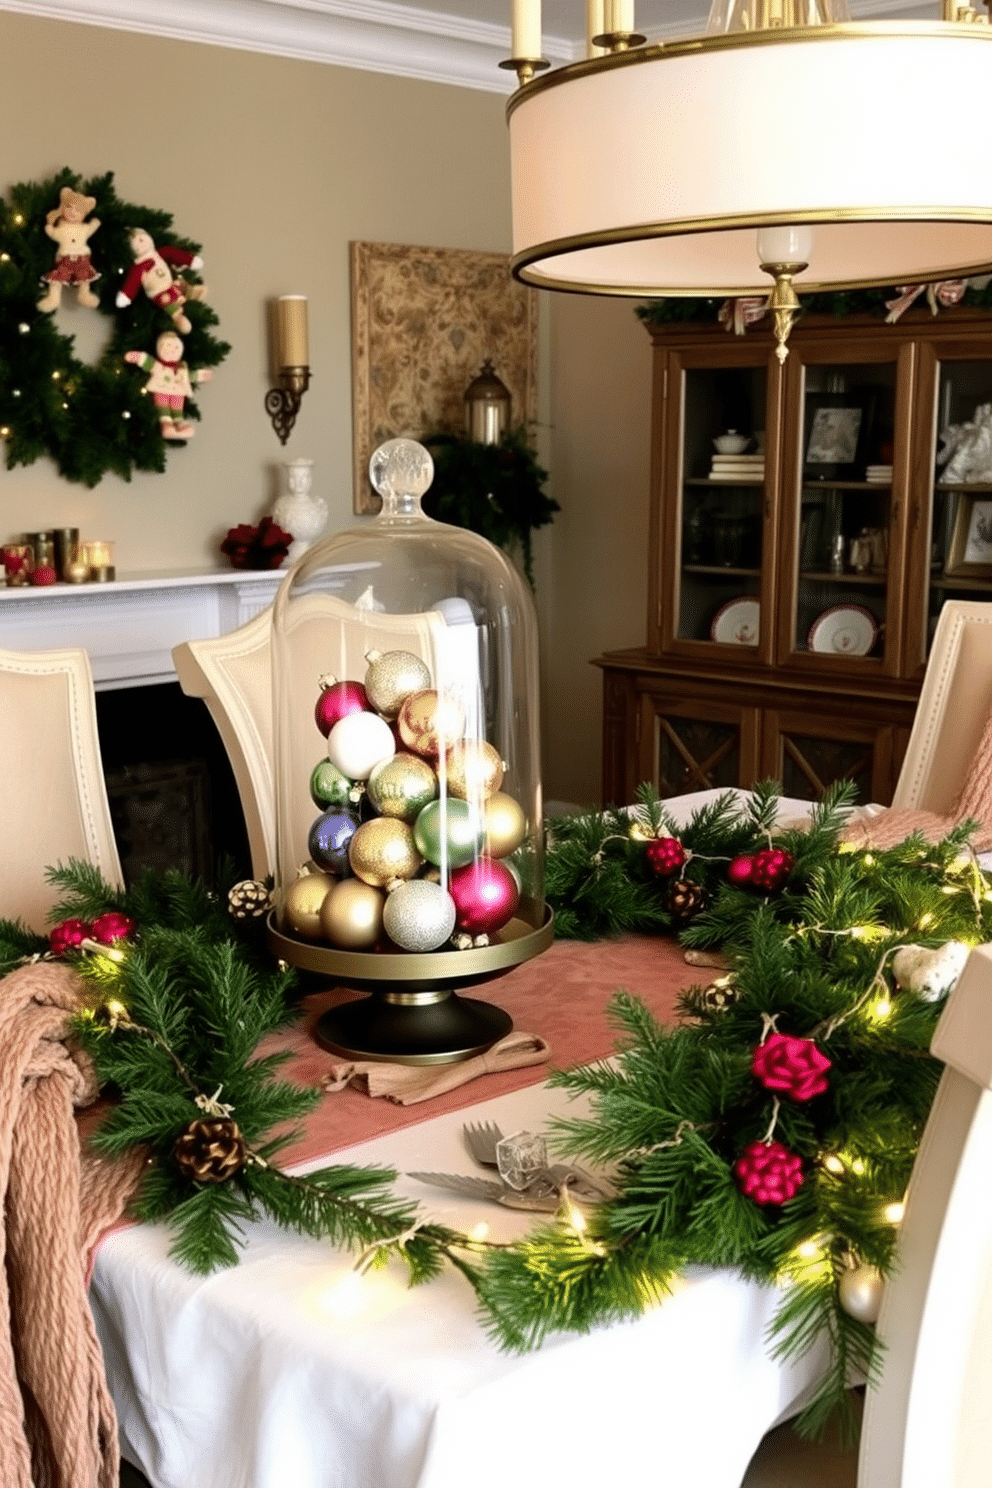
{"x": 130, "y": 625}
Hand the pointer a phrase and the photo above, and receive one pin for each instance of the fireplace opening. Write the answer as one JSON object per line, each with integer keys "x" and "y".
{"x": 173, "y": 799}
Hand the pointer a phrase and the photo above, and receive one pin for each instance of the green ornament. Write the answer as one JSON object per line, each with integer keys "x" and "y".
{"x": 402, "y": 786}
{"x": 328, "y": 786}
{"x": 450, "y": 830}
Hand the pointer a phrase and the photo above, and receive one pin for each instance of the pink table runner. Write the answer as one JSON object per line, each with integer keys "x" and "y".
{"x": 562, "y": 996}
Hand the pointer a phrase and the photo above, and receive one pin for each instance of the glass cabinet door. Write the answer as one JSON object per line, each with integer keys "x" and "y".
{"x": 721, "y": 480}
{"x": 844, "y": 539}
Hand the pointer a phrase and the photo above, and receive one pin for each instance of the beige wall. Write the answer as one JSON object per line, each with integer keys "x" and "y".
{"x": 274, "y": 166}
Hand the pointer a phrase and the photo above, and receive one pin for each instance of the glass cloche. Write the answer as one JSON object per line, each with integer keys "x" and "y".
{"x": 407, "y": 774}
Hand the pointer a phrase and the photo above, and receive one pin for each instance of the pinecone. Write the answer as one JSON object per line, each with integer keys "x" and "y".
{"x": 210, "y": 1150}
{"x": 686, "y": 899}
{"x": 719, "y": 995}
{"x": 248, "y": 900}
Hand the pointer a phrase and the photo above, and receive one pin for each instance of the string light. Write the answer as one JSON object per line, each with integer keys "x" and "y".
{"x": 832, "y": 1163}
{"x": 893, "y": 1213}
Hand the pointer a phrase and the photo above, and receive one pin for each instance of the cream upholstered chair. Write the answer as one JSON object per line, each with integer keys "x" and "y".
{"x": 955, "y": 703}
{"x": 232, "y": 674}
{"x": 54, "y": 792}
{"x": 928, "y": 1424}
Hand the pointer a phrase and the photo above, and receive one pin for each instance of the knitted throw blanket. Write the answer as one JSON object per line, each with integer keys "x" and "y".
{"x": 57, "y": 1422}
{"x": 895, "y": 824}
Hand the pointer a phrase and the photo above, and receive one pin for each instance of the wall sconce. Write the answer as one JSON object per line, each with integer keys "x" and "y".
{"x": 487, "y": 407}
{"x": 292, "y": 369}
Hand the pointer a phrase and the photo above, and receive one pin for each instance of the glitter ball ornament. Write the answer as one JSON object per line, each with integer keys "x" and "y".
{"x": 383, "y": 849}
{"x": 473, "y": 770}
{"x": 771, "y": 867}
{"x": 739, "y": 871}
{"x": 449, "y": 832}
{"x": 67, "y": 935}
{"x": 211, "y": 1150}
{"x": 357, "y": 743}
{"x": 860, "y": 1291}
{"x": 419, "y": 916}
{"x": 665, "y": 855}
{"x": 505, "y": 825}
{"x": 402, "y": 786}
{"x": 685, "y": 899}
{"x": 329, "y": 786}
{"x": 112, "y": 926}
{"x": 336, "y": 701}
{"x": 304, "y": 896}
{"x": 485, "y": 894}
{"x": 351, "y": 915}
{"x": 768, "y": 1173}
{"x": 391, "y": 677}
{"x": 430, "y": 722}
{"x": 791, "y": 1066}
{"x": 329, "y": 839}
{"x": 248, "y": 900}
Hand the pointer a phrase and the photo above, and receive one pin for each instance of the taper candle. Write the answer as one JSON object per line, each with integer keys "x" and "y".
{"x": 526, "y": 28}
{"x": 595, "y": 26}
{"x": 619, "y": 16}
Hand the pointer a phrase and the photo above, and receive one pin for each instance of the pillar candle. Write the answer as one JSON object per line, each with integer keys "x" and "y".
{"x": 292, "y": 321}
{"x": 526, "y": 28}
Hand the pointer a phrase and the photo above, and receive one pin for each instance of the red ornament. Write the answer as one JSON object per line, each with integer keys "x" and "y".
{"x": 665, "y": 855}
{"x": 336, "y": 701}
{"x": 794, "y": 1066}
{"x": 485, "y": 894}
{"x": 111, "y": 927}
{"x": 739, "y": 871}
{"x": 768, "y": 1173}
{"x": 44, "y": 574}
{"x": 67, "y": 935}
{"x": 771, "y": 867}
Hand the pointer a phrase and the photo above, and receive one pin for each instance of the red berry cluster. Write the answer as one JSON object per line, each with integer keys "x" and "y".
{"x": 767, "y": 869}
{"x": 768, "y": 1173}
{"x": 107, "y": 929}
{"x": 666, "y": 856}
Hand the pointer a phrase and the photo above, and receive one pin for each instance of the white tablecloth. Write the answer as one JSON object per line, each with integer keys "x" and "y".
{"x": 253, "y": 1378}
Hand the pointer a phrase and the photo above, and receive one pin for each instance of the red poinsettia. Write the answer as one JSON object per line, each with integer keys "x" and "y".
{"x": 793, "y": 1066}
{"x": 264, "y": 546}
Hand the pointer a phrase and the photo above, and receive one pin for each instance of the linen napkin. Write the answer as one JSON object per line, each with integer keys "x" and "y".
{"x": 406, "y": 1084}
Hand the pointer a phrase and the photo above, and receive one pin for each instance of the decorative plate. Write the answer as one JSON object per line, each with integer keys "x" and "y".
{"x": 843, "y": 630}
{"x": 737, "y": 622}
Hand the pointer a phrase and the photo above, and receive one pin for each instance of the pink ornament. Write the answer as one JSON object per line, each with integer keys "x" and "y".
{"x": 794, "y": 1066}
{"x": 485, "y": 894}
{"x": 771, "y": 867}
{"x": 665, "y": 855}
{"x": 768, "y": 1173}
{"x": 739, "y": 871}
{"x": 66, "y": 935}
{"x": 111, "y": 927}
{"x": 336, "y": 701}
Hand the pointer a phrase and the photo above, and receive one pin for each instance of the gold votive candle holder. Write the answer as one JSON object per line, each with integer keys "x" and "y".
{"x": 18, "y": 563}
{"x": 98, "y": 555}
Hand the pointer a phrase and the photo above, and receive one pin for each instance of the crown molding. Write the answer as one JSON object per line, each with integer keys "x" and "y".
{"x": 373, "y": 35}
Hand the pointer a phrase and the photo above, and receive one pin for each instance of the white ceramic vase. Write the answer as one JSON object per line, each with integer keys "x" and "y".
{"x": 298, "y": 511}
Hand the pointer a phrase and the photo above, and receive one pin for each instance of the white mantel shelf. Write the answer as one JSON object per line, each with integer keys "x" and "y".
{"x": 130, "y": 625}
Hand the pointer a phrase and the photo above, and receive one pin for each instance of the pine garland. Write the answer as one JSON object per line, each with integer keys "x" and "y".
{"x": 838, "y": 303}
{"x": 91, "y": 419}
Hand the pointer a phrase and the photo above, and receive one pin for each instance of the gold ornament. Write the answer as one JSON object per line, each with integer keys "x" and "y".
{"x": 382, "y": 850}
{"x": 860, "y": 1292}
{"x": 351, "y": 915}
{"x": 304, "y": 897}
{"x": 391, "y": 677}
{"x": 474, "y": 769}
{"x": 505, "y": 825}
{"x": 402, "y": 786}
{"x": 430, "y": 722}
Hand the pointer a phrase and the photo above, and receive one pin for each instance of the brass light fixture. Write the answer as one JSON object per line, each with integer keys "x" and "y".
{"x": 487, "y": 407}
{"x": 292, "y": 370}
{"x": 653, "y": 171}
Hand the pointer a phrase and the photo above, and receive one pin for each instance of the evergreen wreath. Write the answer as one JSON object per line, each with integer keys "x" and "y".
{"x": 90, "y": 419}
{"x": 773, "y": 1130}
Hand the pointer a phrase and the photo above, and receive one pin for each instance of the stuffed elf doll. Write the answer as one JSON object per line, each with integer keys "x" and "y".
{"x": 150, "y": 272}
{"x": 66, "y": 225}
{"x": 171, "y": 383}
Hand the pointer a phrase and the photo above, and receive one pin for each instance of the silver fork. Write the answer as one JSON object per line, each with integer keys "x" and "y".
{"x": 480, "y": 1139}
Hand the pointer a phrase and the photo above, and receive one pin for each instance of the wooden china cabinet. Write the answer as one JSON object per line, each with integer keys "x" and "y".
{"x": 795, "y": 583}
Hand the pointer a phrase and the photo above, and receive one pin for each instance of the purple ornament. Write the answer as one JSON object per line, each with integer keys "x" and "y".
{"x": 485, "y": 894}
{"x": 338, "y": 700}
{"x": 329, "y": 840}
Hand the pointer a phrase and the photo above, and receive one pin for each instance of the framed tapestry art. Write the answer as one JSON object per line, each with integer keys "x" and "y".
{"x": 423, "y": 322}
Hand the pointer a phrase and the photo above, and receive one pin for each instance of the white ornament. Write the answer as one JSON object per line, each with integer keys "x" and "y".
{"x": 358, "y": 742}
{"x": 419, "y": 915}
{"x": 930, "y": 973}
{"x": 298, "y": 512}
{"x": 861, "y": 1293}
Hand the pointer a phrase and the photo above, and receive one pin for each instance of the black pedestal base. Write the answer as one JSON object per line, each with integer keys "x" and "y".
{"x": 411, "y": 1030}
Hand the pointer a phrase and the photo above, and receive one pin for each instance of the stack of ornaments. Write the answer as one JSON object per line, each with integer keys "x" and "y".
{"x": 409, "y": 849}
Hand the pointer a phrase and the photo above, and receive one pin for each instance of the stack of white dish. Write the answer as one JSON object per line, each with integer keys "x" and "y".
{"x": 879, "y": 475}
{"x": 738, "y": 468}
